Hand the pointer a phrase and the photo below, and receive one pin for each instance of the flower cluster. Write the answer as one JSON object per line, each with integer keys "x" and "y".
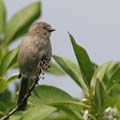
{"x": 110, "y": 114}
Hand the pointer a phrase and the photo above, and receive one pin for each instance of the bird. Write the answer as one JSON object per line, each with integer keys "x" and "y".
{"x": 34, "y": 50}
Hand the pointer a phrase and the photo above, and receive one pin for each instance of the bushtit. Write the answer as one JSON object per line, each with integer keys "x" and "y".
{"x": 34, "y": 48}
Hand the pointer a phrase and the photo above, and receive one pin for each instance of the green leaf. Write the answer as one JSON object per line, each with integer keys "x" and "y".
{"x": 112, "y": 68}
{"x": 98, "y": 95}
{"x": 6, "y": 96}
{"x": 102, "y": 100}
{"x": 113, "y": 75}
{"x": 2, "y": 106}
{"x": 12, "y": 77}
{"x": 16, "y": 116}
{"x": 7, "y": 61}
{"x": 54, "y": 69}
{"x": 115, "y": 91}
{"x": 3, "y": 85}
{"x": 85, "y": 64}
{"x": 60, "y": 115}
{"x": 101, "y": 74}
{"x": 71, "y": 69}
{"x": 118, "y": 104}
{"x": 20, "y": 22}
{"x": 102, "y": 70}
{"x": 73, "y": 107}
{"x": 2, "y": 17}
{"x": 49, "y": 95}
{"x": 3, "y": 52}
{"x": 39, "y": 112}
{"x": 116, "y": 76}
{"x": 52, "y": 95}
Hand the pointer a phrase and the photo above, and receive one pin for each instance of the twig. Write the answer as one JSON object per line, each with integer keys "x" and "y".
{"x": 43, "y": 65}
{"x": 28, "y": 93}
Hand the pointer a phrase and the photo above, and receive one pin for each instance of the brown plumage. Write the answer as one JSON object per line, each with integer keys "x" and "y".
{"x": 33, "y": 49}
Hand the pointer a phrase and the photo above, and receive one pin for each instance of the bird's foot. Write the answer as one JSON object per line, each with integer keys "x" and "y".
{"x": 45, "y": 63}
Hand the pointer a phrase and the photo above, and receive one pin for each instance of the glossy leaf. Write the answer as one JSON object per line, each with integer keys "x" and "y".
{"x": 3, "y": 51}
{"x": 99, "y": 95}
{"x": 102, "y": 100}
{"x": 2, "y": 106}
{"x": 39, "y": 112}
{"x": 71, "y": 104}
{"x": 113, "y": 75}
{"x": 12, "y": 77}
{"x": 1, "y": 55}
{"x": 116, "y": 77}
{"x": 2, "y": 18}
{"x": 46, "y": 93}
{"x": 112, "y": 68}
{"x": 7, "y": 61}
{"x": 20, "y": 22}
{"x": 71, "y": 69}
{"x": 16, "y": 116}
{"x": 115, "y": 91}
{"x": 54, "y": 69}
{"x": 102, "y": 70}
{"x": 49, "y": 95}
{"x": 60, "y": 115}
{"x": 71, "y": 108}
{"x": 54, "y": 96}
{"x": 118, "y": 104}
{"x": 5, "y": 96}
{"x": 85, "y": 64}
{"x": 101, "y": 74}
{"x": 3, "y": 85}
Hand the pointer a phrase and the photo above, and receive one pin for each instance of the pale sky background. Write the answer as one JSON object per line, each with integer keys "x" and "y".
{"x": 94, "y": 24}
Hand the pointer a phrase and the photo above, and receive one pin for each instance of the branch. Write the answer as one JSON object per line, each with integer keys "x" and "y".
{"x": 28, "y": 93}
{"x": 43, "y": 65}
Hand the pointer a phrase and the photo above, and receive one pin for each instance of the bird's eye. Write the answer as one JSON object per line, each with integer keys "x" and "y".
{"x": 44, "y": 27}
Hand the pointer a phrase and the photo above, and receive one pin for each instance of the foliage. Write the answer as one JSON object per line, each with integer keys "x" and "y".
{"x": 100, "y": 84}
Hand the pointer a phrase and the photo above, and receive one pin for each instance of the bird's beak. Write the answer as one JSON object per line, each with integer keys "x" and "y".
{"x": 51, "y": 30}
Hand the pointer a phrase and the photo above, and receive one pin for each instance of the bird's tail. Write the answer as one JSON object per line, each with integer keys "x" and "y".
{"x": 23, "y": 89}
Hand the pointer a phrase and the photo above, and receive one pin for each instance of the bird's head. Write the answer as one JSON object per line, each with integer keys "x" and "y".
{"x": 42, "y": 29}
